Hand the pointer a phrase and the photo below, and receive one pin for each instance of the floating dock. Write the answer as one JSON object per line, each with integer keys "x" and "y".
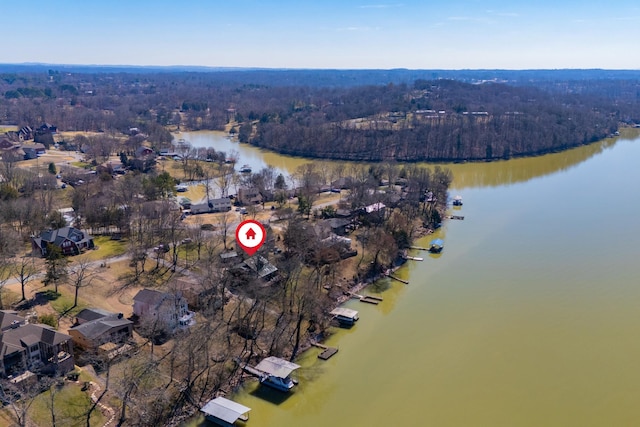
{"x": 327, "y": 352}
{"x": 455, "y": 217}
{"x": 369, "y": 299}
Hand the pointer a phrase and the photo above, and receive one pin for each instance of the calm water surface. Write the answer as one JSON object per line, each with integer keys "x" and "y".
{"x": 530, "y": 317}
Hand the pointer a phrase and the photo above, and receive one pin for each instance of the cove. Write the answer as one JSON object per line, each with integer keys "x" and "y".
{"x": 529, "y": 317}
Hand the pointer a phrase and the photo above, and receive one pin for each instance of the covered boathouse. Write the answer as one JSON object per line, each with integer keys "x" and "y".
{"x": 225, "y": 412}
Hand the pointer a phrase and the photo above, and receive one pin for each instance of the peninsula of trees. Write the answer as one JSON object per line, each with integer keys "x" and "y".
{"x": 397, "y": 115}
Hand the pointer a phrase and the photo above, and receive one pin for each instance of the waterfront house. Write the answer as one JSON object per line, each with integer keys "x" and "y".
{"x": 249, "y": 196}
{"x": 166, "y": 310}
{"x": 374, "y": 212}
{"x": 261, "y": 267}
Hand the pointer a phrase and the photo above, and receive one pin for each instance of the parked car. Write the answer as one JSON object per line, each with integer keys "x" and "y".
{"x": 161, "y": 249}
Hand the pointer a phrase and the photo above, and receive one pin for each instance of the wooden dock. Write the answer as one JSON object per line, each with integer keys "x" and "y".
{"x": 420, "y": 248}
{"x": 406, "y": 282}
{"x": 369, "y": 299}
{"x": 414, "y": 258}
{"x": 253, "y": 371}
{"x": 327, "y": 352}
{"x": 455, "y": 217}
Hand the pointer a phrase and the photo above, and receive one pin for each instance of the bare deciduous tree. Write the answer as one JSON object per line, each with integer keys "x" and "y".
{"x": 23, "y": 271}
{"x": 80, "y": 276}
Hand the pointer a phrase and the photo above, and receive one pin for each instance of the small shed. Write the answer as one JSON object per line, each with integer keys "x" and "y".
{"x": 225, "y": 412}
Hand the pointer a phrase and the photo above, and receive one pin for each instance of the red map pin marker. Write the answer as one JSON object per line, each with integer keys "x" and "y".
{"x": 250, "y": 236}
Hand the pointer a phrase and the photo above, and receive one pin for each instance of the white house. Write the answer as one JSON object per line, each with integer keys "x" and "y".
{"x": 169, "y": 310}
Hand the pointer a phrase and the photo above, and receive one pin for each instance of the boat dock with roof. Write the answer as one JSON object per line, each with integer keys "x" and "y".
{"x": 345, "y": 316}
{"x": 225, "y": 412}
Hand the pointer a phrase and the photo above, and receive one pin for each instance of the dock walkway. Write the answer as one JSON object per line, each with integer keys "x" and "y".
{"x": 369, "y": 299}
{"x": 406, "y": 282}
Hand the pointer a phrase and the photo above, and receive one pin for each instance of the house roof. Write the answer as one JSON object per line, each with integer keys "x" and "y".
{"x": 61, "y": 234}
{"x": 34, "y": 146}
{"x": 9, "y": 318}
{"x": 337, "y": 222}
{"x": 97, "y": 327}
{"x": 89, "y": 314}
{"x": 30, "y": 334}
{"x": 228, "y": 255}
{"x": 150, "y": 296}
{"x": 374, "y": 207}
{"x": 260, "y": 265}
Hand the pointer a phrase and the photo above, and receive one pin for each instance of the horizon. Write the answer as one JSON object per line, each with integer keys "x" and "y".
{"x": 334, "y": 35}
{"x": 231, "y": 68}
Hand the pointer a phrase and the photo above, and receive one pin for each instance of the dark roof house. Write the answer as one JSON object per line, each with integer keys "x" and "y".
{"x": 260, "y": 266}
{"x": 69, "y": 239}
{"x": 95, "y": 327}
{"x": 31, "y": 151}
{"x": 37, "y": 348}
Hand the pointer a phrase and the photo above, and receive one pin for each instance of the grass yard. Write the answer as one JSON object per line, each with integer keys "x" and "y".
{"x": 82, "y": 165}
{"x": 107, "y": 248}
{"x": 195, "y": 193}
{"x": 70, "y": 405}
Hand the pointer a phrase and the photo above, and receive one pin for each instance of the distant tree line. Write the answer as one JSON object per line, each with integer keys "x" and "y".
{"x": 426, "y": 119}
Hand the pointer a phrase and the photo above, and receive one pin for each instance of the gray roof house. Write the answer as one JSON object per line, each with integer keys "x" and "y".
{"x": 32, "y": 347}
{"x": 95, "y": 327}
{"x": 260, "y": 266}
{"x": 168, "y": 309}
{"x": 69, "y": 239}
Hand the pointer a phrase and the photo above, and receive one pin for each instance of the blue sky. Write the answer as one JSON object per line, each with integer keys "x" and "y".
{"x": 446, "y": 34}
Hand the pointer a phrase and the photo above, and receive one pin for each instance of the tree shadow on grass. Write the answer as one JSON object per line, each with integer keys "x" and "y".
{"x": 40, "y": 298}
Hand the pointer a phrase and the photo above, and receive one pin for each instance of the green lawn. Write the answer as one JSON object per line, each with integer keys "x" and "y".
{"x": 63, "y": 303}
{"x": 70, "y": 405}
{"x": 79, "y": 164}
{"x": 107, "y": 248}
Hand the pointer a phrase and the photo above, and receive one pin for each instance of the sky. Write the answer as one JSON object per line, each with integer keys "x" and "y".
{"x": 325, "y": 34}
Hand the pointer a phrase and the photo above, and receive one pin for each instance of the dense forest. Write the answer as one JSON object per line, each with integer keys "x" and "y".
{"x": 371, "y": 115}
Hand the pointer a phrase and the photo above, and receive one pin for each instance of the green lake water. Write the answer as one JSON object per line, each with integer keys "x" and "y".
{"x": 529, "y": 317}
